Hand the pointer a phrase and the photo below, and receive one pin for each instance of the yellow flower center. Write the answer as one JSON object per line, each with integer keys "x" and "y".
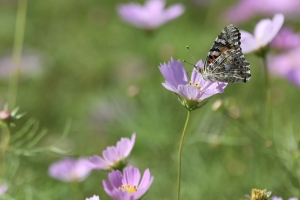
{"x": 196, "y": 85}
{"x": 74, "y": 175}
{"x": 130, "y": 189}
{"x": 258, "y": 40}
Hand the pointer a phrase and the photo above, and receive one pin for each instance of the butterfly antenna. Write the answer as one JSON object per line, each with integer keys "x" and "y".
{"x": 188, "y": 48}
{"x": 188, "y": 63}
{"x": 194, "y": 65}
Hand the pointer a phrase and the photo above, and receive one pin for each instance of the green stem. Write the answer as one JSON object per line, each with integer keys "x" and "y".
{"x": 5, "y": 141}
{"x": 180, "y": 152}
{"x": 77, "y": 190}
{"x": 17, "y": 52}
{"x": 268, "y": 98}
{"x": 8, "y": 136}
{"x": 2, "y": 144}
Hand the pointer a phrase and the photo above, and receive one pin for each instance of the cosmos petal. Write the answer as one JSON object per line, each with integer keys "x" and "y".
{"x": 248, "y": 42}
{"x": 272, "y": 29}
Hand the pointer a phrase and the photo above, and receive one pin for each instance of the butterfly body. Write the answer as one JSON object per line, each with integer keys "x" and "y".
{"x": 225, "y": 61}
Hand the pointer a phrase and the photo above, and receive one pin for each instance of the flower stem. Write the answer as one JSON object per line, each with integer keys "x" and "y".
{"x": 76, "y": 190}
{"x": 180, "y": 152}
{"x": 5, "y": 142}
{"x": 268, "y": 98}
{"x": 17, "y": 52}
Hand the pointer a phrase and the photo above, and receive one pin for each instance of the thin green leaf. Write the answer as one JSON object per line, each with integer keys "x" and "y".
{"x": 23, "y": 130}
{"x": 28, "y": 136}
{"x": 65, "y": 133}
{"x": 60, "y": 151}
{"x": 37, "y": 138}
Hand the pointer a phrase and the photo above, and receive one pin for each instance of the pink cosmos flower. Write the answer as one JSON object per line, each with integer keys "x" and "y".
{"x": 286, "y": 65}
{"x": 114, "y": 157}
{"x": 127, "y": 185}
{"x": 3, "y": 189}
{"x": 279, "y": 198}
{"x": 150, "y": 16}
{"x": 95, "y": 197}
{"x": 246, "y": 9}
{"x": 286, "y": 39}
{"x": 264, "y": 33}
{"x": 191, "y": 92}
{"x": 70, "y": 170}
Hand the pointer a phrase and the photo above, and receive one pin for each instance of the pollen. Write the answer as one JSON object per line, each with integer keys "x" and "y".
{"x": 196, "y": 85}
{"x": 130, "y": 189}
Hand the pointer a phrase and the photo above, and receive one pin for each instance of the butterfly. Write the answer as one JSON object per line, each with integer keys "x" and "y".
{"x": 225, "y": 61}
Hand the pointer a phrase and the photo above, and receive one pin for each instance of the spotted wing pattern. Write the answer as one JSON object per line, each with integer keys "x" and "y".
{"x": 225, "y": 61}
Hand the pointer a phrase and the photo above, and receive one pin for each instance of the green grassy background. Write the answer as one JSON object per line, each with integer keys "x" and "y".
{"x": 90, "y": 58}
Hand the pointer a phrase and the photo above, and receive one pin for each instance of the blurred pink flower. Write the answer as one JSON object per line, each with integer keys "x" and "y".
{"x": 264, "y": 32}
{"x": 286, "y": 65}
{"x": 3, "y": 189}
{"x": 279, "y": 198}
{"x": 150, "y": 16}
{"x": 30, "y": 66}
{"x": 193, "y": 92}
{"x": 70, "y": 170}
{"x": 95, "y": 197}
{"x": 127, "y": 185}
{"x": 286, "y": 39}
{"x": 114, "y": 157}
{"x": 246, "y": 9}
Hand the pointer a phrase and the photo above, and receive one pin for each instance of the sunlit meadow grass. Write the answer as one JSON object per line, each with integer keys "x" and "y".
{"x": 100, "y": 76}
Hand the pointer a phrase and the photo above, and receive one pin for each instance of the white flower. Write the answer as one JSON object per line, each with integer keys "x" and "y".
{"x": 95, "y": 197}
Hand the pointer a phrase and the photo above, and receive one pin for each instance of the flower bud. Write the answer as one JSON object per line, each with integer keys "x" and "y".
{"x": 5, "y": 115}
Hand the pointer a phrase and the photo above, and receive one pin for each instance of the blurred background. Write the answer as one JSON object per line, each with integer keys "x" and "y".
{"x": 81, "y": 61}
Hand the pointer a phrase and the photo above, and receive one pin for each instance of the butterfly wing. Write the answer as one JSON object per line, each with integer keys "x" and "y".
{"x": 225, "y": 61}
{"x": 230, "y": 67}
